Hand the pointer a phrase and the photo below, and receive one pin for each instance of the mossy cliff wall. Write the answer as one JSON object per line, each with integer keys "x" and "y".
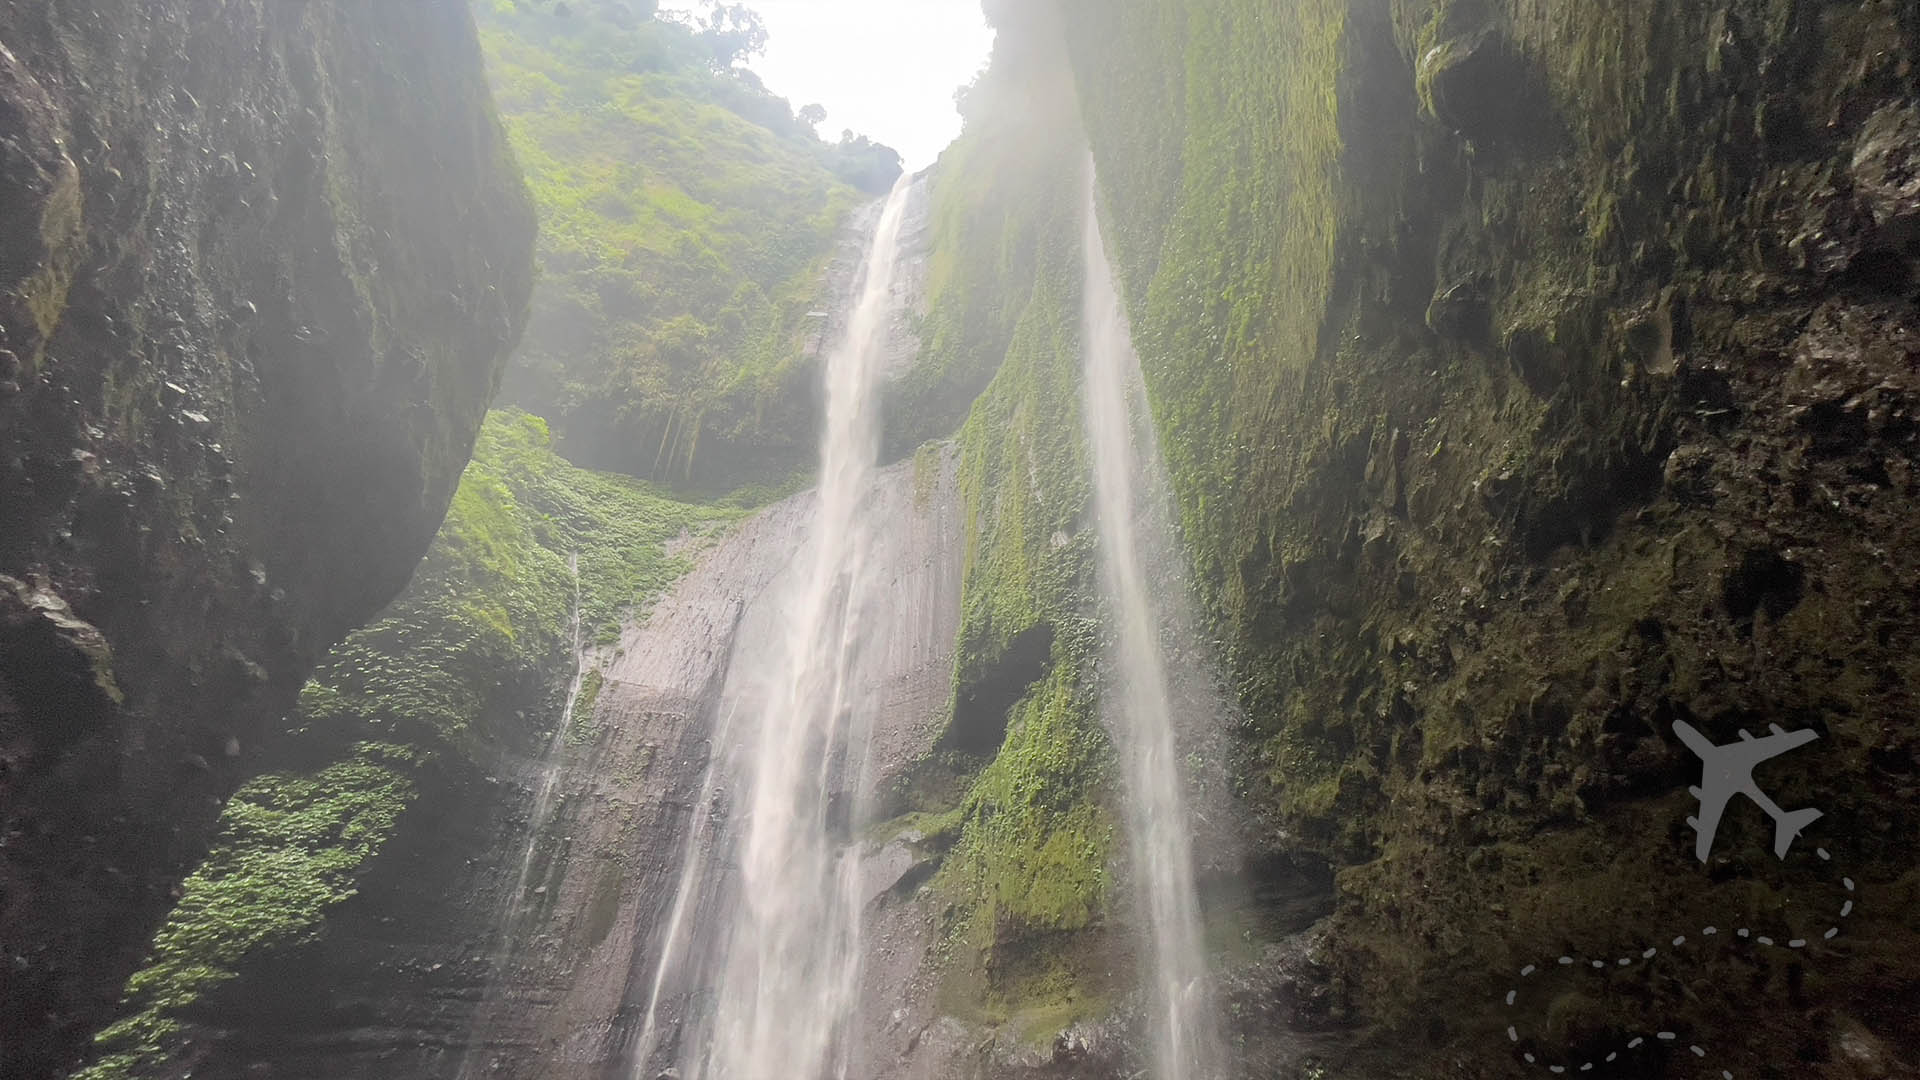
{"x": 260, "y": 266}
{"x": 404, "y": 783}
{"x": 1012, "y": 802}
{"x": 1534, "y": 374}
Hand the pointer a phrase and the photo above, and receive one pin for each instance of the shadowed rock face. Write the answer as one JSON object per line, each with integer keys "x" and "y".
{"x": 1602, "y": 422}
{"x": 260, "y": 266}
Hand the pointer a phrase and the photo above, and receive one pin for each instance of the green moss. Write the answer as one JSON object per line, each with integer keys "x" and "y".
{"x": 1024, "y": 480}
{"x": 1031, "y": 851}
{"x": 584, "y": 726}
{"x": 1460, "y": 596}
{"x": 755, "y": 496}
{"x": 1025, "y": 881}
{"x": 62, "y": 232}
{"x": 1001, "y": 193}
{"x": 1028, "y": 839}
{"x": 484, "y": 624}
{"x": 1225, "y": 235}
{"x": 926, "y": 473}
{"x": 1031, "y": 855}
{"x": 288, "y": 849}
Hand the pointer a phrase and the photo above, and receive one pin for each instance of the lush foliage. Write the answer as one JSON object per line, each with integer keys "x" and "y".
{"x": 486, "y": 620}
{"x": 480, "y": 640}
{"x": 1024, "y": 476}
{"x": 687, "y": 220}
{"x": 1031, "y": 853}
{"x": 1026, "y": 875}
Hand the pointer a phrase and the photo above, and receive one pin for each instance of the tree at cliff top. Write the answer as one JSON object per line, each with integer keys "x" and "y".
{"x": 687, "y": 219}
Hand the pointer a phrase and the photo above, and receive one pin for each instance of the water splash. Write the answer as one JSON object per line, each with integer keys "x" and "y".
{"x": 1137, "y": 698}
{"x": 781, "y": 955}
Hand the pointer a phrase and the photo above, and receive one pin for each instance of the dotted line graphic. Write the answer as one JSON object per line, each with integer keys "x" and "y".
{"x": 1635, "y": 1041}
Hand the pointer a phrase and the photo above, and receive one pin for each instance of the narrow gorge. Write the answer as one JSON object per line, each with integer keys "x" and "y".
{"x": 1271, "y": 555}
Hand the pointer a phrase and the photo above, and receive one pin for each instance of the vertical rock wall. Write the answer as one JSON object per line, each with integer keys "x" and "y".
{"x": 1536, "y": 374}
{"x": 260, "y": 266}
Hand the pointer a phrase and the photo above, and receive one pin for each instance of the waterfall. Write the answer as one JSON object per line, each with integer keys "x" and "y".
{"x": 780, "y": 955}
{"x": 1136, "y": 696}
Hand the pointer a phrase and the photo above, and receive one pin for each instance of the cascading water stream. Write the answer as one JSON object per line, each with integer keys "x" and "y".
{"x": 785, "y": 959}
{"x": 514, "y": 907}
{"x": 1137, "y": 697}
{"x": 549, "y": 772}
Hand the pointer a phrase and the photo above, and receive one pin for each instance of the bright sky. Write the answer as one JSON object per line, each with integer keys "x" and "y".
{"x": 885, "y": 68}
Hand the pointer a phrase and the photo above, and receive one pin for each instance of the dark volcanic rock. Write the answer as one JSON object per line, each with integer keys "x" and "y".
{"x": 260, "y": 265}
{"x": 1886, "y": 169}
{"x": 1475, "y": 84}
{"x": 1659, "y": 466}
{"x": 56, "y": 668}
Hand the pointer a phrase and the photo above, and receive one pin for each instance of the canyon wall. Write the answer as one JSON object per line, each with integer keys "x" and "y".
{"x": 1535, "y": 375}
{"x": 1531, "y": 375}
{"x": 260, "y": 267}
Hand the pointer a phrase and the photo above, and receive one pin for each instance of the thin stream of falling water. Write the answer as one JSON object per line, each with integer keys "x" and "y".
{"x": 1137, "y": 699}
{"x": 699, "y": 831}
{"x": 549, "y": 770}
{"x": 515, "y": 906}
{"x": 786, "y": 981}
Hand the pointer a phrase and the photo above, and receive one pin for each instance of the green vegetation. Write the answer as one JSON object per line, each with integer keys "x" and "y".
{"x": 926, "y": 473}
{"x": 687, "y": 219}
{"x": 582, "y": 729}
{"x": 1001, "y": 191}
{"x": 287, "y": 851}
{"x": 1025, "y": 880}
{"x": 1406, "y": 280}
{"x": 1032, "y": 843}
{"x": 1031, "y": 852}
{"x": 476, "y": 651}
{"x": 1024, "y": 480}
{"x": 1225, "y": 232}
{"x": 1017, "y": 796}
{"x": 485, "y": 622}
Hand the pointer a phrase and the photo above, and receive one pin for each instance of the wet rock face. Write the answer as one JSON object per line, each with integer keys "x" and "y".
{"x": 1476, "y": 82}
{"x": 1886, "y": 168}
{"x": 436, "y": 970}
{"x": 57, "y": 669}
{"x": 39, "y": 208}
{"x": 260, "y": 265}
{"x": 1609, "y": 423}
